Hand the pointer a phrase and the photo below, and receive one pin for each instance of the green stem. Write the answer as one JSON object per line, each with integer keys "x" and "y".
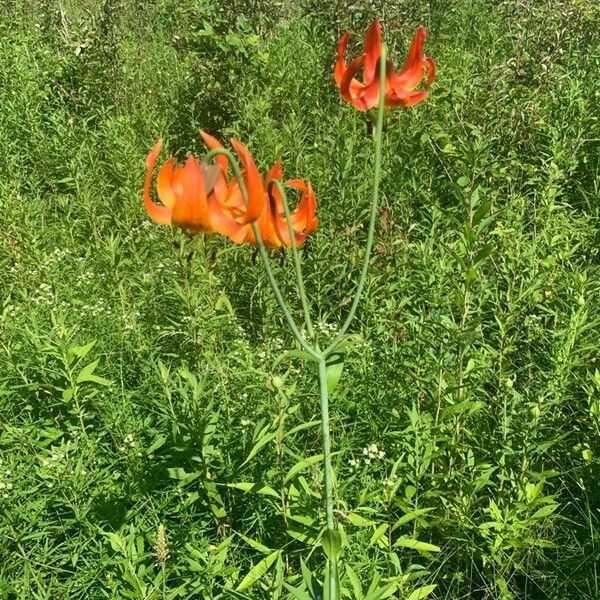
{"x": 333, "y": 592}
{"x": 296, "y": 255}
{"x": 264, "y": 256}
{"x": 374, "y": 205}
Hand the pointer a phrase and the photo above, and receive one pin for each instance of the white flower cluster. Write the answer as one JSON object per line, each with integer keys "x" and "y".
{"x": 129, "y": 443}
{"x": 95, "y": 310}
{"x": 43, "y": 295}
{"x": 85, "y": 278}
{"x": 370, "y": 454}
{"x": 5, "y": 486}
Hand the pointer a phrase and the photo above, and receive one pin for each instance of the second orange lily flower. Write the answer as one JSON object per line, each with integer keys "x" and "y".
{"x": 203, "y": 197}
{"x": 400, "y": 88}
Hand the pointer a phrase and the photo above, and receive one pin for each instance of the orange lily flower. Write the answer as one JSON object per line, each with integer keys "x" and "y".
{"x": 271, "y": 222}
{"x": 400, "y": 88}
{"x": 191, "y": 193}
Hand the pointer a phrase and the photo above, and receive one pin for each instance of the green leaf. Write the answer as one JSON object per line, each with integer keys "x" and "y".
{"x": 332, "y": 544}
{"x": 545, "y": 511}
{"x": 263, "y": 440}
{"x": 406, "y": 542}
{"x": 301, "y": 465}
{"x": 422, "y": 592}
{"x": 79, "y": 351}
{"x": 355, "y": 582}
{"x": 335, "y": 366}
{"x": 314, "y": 587}
{"x": 378, "y": 533}
{"x": 256, "y": 545}
{"x": 257, "y": 571}
{"x": 156, "y": 444}
{"x": 298, "y": 594}
{"x": 359, "y": 521}
{"x": 254, "y": 488}
{"x": 409, "y": 516}
{"x": 383, "y": 592}
{"x": 182, "y": 475}
{"x": 87, "y": 374}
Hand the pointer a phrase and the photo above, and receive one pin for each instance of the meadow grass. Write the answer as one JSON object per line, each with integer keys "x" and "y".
{"x": 146, "y": 379}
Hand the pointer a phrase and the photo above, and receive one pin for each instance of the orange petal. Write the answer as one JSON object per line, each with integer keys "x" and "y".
{"x": 159, "y": 214}
{"x": 372, "y": 52}
{"x": 164, "y": 186}
{"x": 431, "y": 69}
{"x": 275, "y": 173}
{"x": 411, "y": 73}
{"x": 340, "y": 65}
{"x": 350, "y": 86}
{"x": 214, "y": 144}
{"x": 221, "y": 220}
{"x": 191, "y": 209}
{"x": 253, "y": 181}
{"x": 368, "y": 96}
{"x": 304, "y": 218}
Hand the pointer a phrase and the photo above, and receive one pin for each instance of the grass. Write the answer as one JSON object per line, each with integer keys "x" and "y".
{"x": 140, "y": 370}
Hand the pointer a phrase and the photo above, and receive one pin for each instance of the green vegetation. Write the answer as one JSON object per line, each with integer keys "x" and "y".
{"x": 159, "y": 433}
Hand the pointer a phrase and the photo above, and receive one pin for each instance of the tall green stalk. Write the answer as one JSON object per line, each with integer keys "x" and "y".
{"x": 377, "y": 135}
{"x": 315, "y": 352}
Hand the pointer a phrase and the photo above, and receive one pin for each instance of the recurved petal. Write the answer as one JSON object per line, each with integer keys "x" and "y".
{"x": 411, "y": 73}
{"x": 304, "y": 218}
{"x": 340, "y": 65}
{"x": 405, "y": 98}
{"x": 164, "y": 186}
{"x": 275, "y": 174}
{"x": 214, "y": 144}
{"x": 372, "y": 52}
{"x": 431, "y": 69}
{"x": 253, "y": 181}
{"x": 159, "y": 214}
{"x": 349, "y": 86}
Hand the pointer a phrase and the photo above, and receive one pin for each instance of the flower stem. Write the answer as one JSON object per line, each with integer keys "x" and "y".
{"x": 333, "y": 591}
{"x": 264, "y": 256}
{"x": 377, "y": 134}
{"x": 296, "y": 256}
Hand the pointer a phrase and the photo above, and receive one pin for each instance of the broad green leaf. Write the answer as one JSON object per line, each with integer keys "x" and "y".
{"x": 256, "y": 545}
{"x": 406, "y": 542}
{"x": 335, "y": 366}
{"x": 314, "y": 587}
{"x": 79, "y": 351}
{"x": 422, "y": 592}
{"x": 355, "y": 582}
{"x": 359, "y": 521}
{"x": 378, "y": 533}
{"x": 157, "y": 443}
{"x": 301, "y": 427}
{"x": 410, "y": 516}
{"x": 544, "y": 511}
{"x": 254, "y": 488}
{"x": 332, "y": 544}
{"x": 87, "y": 374}
{"x": 182, "y": 475}
{"x": 257, "y": 571}
{"x": 301, "y": 465}
{"x": 384, "y": 592}
{"x": 298, "y": 594}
